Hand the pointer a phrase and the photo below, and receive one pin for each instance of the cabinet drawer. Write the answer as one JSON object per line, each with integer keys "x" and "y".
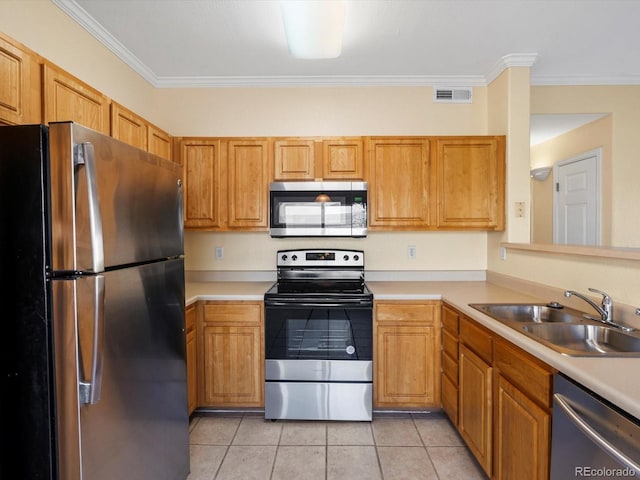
{"x": 450, "y": 344}
{"x": 242, "y": 314}
{"x": 450, "y": 320}
{"x": 450, "y": 367}
{"x": 450, "y": 399}
{"x": 477, "y": 339}
{"x": 524, "y": 371}
{"x": 408, "y": 312}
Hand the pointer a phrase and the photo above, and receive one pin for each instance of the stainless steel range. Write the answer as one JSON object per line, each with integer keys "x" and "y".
{"x": 319, "y": 337}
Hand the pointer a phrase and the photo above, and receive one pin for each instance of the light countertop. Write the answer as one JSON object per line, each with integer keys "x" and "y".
{"x": 616, "y": 379}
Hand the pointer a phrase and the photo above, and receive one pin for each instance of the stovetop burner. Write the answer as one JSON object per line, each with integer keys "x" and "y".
{"x": 320, "y": 276}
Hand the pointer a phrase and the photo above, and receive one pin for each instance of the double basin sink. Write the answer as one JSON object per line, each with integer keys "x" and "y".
{"x": 565, "y": 330}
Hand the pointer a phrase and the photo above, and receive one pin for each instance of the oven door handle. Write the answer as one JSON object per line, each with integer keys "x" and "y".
{"x": 593, "y": 435}
{"x": 298, "y": 304}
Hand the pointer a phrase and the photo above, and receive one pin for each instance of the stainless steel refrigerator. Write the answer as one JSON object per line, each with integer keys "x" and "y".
{"x": 92, "y": 325}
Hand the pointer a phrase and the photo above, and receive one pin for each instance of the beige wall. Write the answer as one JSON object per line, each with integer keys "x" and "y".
{"x": 501, "y": 108}
{"x": 594, "y": 135}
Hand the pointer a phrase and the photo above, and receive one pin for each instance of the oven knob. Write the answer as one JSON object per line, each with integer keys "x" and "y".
{"x": 294, "y": 257}
{"x": 284, "y": 258}
{"x": 350, "y": 350}
{"x": 356, "y": 257}
{"x": 346, "y": 258}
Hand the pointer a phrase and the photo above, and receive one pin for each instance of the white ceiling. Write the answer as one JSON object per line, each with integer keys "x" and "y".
{"x": 179, "y": 43}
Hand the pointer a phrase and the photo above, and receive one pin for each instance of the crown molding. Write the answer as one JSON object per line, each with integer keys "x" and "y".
{"x": 508, "y": 61}
{"x": 542, "y": 80}
{"x": 320, "y": 81}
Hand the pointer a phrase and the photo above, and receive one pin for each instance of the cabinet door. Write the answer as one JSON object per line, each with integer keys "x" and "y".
{"x": 19, "y": 85}
{"x": 522, "y": 435}
{"x": 470, "y": 174}
{"x": 128, "y": 127}
{"x": 68, "y": 99}
{"x": 342, "y": 159}
{"x": 192, "y": 376}
{"x": 294, "y": 159}
{"x": 201, "y": 165}
{"x": 232, "y": 362}
{"x": 249, "y": 170}
{"x": 399, "y": 183}
{"x": 159, "y": 142}
{"x": 474, "y": 414}
{"x": 407, "y": 355}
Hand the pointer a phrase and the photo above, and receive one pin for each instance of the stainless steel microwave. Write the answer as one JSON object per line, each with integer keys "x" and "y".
{"x": 318, "y": 209}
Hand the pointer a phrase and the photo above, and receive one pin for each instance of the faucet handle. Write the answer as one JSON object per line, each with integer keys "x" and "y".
{"x": 606, "y": 299}
{"x": 637, "y": 311}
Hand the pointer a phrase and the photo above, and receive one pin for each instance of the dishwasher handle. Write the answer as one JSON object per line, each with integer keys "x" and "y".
{"x": 592, "y": 434}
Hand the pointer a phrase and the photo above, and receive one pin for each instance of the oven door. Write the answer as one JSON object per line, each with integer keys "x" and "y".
{"x": 318, "y": 332}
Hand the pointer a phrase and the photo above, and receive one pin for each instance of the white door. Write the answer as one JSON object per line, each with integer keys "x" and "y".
{"x": 577, "y": 200}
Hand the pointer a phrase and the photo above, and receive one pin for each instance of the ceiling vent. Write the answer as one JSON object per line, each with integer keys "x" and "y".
{"x": 452, "y": 94}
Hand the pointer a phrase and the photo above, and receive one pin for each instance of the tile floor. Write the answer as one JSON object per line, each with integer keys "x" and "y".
{"x": 227, "y": 446}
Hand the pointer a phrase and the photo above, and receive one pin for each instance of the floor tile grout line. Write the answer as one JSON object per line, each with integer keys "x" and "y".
{"x": 426, "y": 450}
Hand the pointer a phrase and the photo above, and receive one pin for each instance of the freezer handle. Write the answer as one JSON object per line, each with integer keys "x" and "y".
{"x": 90, "y": 388}
{"x": 593, "y": 435}
{"x": 84, "y": 156}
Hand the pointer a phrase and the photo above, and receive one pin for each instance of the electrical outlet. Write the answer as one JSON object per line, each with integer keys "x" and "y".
{"x": 503, "y": 253}
{"x": 411, "y": 252}
{"x": 219, "y": 253}
{"x": 519, "y": 209}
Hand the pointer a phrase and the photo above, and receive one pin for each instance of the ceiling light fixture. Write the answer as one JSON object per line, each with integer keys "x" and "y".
{"x": 313, "y": 27}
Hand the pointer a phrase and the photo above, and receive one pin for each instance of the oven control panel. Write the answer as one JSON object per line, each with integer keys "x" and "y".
{"x": 320, "y": 257}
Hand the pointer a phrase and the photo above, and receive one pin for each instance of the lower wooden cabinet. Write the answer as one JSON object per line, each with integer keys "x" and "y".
{"x": 502, "y": 401}
{"x": 192, "y": 371}
{"x": 230, "y": 355}
{"x": 407, "y": 354}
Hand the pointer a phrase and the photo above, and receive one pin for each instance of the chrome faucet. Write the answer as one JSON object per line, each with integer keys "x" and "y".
{"x": 605, "y": 309}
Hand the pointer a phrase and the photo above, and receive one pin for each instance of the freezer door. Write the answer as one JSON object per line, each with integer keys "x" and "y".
{"x": 111, "y": 204}
{"x": 121, "y": 372}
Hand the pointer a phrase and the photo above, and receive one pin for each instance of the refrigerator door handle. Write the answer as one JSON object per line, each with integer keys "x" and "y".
{"x": 84, "y": 156}
{"x": 90, "y": 388}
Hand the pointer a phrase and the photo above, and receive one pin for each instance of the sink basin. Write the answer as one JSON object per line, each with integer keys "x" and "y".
{"x": 583, "y": 339}
{"x": 523, "y": 312}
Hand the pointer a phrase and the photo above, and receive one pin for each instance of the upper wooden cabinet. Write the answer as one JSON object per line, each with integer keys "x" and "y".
{"x": 249, "y": 173}
{"x": 202, "y": 174}
{"x": 321, "y": 158}
{"x": 294, "y": 159}
{"x": 226, "y": 183}
{"x": 159, "y": 142}
{"x": 342, "y": 159}
{"x": 128, "y": 127}
{"x": 400, "y": 183}
{"x": 471, "y": 176}
{"x": 135, "y": 130}
{"x": 19, "y": 84}
{"x": 68, "y": 99}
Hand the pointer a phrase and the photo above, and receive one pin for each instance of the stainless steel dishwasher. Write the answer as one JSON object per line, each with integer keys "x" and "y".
{"x": 591, "y": 438}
